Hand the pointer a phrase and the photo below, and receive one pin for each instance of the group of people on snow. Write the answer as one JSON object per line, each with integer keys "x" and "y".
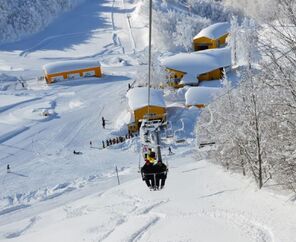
{"x": 154, "y": 172}
{"x": 116, "y": 140}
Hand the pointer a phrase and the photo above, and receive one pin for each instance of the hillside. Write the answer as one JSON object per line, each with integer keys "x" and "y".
{"x": 51, "y": 194}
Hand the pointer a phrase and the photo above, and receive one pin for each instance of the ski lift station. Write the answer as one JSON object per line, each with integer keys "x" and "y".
{"x": 138, "y": 104}
{"x": 214, "y": 36}
{"x": 59, "y": 71}
{"x": 197, "y": 66}
{"x": 200, "y": 96}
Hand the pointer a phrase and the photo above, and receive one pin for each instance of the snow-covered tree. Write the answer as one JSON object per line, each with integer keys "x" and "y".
{"x": 19, "y": 18}
{"x": 158, "y": 72}
{"x": 247, "y": 43}
{"x": 233, "y": 39}
{"x": 254, "y": 125}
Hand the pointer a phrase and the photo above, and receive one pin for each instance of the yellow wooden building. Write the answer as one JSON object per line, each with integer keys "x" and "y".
{"x": 214, "y": 36}
{"x": 174, "y": 77}
{"x": 190, "y": 68}
{"x": 138, "y": 104}
{"x": 62, "y": 70}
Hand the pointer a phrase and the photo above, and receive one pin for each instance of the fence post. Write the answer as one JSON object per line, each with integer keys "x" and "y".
{"x": 117, "y": 175}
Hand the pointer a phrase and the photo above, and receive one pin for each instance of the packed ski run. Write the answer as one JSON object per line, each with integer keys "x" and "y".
{"x": 61, "y": 182}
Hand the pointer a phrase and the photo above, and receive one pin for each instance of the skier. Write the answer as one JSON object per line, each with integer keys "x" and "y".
{"x": 90, "y": 144}
{"x": 170, "y": 151}
{"x": 103, "y": 122}
{"x": 103, "y": 144}
{"x": 8, "y": 168}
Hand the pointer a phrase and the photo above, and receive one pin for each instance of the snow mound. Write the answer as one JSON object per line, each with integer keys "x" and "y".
{"x": 201, "y": 95}
{"x": 214, "y": 31}
{"x": 7, "y": 82}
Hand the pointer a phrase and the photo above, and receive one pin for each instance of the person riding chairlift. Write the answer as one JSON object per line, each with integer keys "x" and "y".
{"x": 151, "y": 156}
{"x": 154, "y": 173}
{"x": 147, "y": 174}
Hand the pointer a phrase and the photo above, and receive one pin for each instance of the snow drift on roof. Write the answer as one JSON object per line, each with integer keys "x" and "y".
{"x": 200, "y": 95}
{"x": 199, "y": 62}
{"x": 189, "y": 79}
{"x": 214, "y": 31}
{"x": 138, "y": 98}
{"x": 62, "y": 66}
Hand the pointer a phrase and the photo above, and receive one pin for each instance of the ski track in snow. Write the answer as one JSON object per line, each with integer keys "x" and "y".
{"x": 140, "y": 219}
{"x": 15, "y": 234}
{"x": 8, "y": 107}
{"x": 246, "y": 223}
{"x": 13, "y": 209}
{"x": 127, "y": 217}
{"x": 52, "y": 38}
{"x": 128, "y": 46}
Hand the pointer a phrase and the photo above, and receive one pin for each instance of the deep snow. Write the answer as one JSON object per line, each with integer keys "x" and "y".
{"x": 53, "y": 195}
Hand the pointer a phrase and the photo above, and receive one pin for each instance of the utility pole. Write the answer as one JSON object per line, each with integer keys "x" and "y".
{"x": 157, "y": 131}
{"x": 149, "y": 61}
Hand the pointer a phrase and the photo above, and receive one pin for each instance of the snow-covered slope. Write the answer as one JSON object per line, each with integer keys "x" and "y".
{"x": 199, "y": 203}
{"x": 52, "y": 194}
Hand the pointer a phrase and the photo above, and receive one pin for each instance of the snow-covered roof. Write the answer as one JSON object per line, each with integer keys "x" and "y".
{"x": 138, "y": 98}
{"x": 200, "y": 95}
{"x": 214, "y": 31}
{"x": 189, "y": 79}
{"x": 62, "y": 66}
{"x": 199, "y": 62}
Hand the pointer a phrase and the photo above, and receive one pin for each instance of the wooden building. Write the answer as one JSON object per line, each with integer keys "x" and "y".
{"x": 214, "y": 36}
{"x": 138, "y": 104}
{"x": 199, "y": 66}
{"x": 62, "y": 70}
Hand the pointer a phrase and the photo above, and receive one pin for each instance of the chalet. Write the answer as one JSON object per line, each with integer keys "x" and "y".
{"x": 138, "y": 104}
{"x": 214, "y": 36}
{"x": 190, "y": 68}
{"x": 58, "y": 71}
{"x": 200, "y": 96}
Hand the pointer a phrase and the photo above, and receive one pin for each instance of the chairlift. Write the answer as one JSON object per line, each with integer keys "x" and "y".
{"x": 153, "y": 171}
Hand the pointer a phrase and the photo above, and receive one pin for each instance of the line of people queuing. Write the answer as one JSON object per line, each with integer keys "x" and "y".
{"x": 117, "y": 140}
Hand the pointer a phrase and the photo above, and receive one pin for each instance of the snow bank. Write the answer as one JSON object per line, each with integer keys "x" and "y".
{"x": 199, "y": 62}
{"x": 214, "y": 31}
{"x": 7, "y": 82}
{"x": 37, "y": 111}
{"x": 10, "y": 131}
{"x": 138, "y": 98}
{"x": 200, "y": 95}
{"x": 62, "y": 66}
{"x": 189, "y": 79}
{"x": 8, "y": 101}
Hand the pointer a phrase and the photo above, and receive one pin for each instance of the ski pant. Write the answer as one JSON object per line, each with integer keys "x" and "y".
{"x": 150, "y": 181}
{"x": 160, "y": 178}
